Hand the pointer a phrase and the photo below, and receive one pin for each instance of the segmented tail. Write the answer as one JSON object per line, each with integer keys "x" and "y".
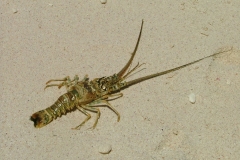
{"x": 64, "y": 104}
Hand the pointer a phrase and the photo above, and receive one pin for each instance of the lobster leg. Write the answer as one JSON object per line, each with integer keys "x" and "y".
{"x": 90, "y": 108}
{"x": 111, "y": 107}
{"x": 84, "y": 112}
{"x": 116, "y": 95}
{"x": 67, "y": 82}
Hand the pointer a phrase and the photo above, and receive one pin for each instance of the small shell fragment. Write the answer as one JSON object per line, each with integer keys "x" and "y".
{"x": 14, "y": 10}
{"x": 105, "y": 149}
{"x": 192, "y": 98}
{"x": 103, "y": 1}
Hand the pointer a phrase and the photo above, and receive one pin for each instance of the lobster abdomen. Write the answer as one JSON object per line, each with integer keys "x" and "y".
{"x": 63, "y": 105}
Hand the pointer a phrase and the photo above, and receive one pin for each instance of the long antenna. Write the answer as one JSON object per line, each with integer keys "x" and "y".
{"x": 130, "y": 83}
{"x": 120, "y": 74}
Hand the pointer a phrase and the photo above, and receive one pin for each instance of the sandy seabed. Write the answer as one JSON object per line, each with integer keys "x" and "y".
{"x": 42, "y": 40}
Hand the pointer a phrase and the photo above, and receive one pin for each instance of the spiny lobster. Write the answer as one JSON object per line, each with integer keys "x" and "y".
{"x": 84, "y": 95}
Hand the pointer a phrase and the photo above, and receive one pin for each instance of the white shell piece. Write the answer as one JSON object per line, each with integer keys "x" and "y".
{"x": 103, "y": 1}
{"x": 192, "y": 98}
{"x": 105, "y": 149}
{"x": 14, "y": 10}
